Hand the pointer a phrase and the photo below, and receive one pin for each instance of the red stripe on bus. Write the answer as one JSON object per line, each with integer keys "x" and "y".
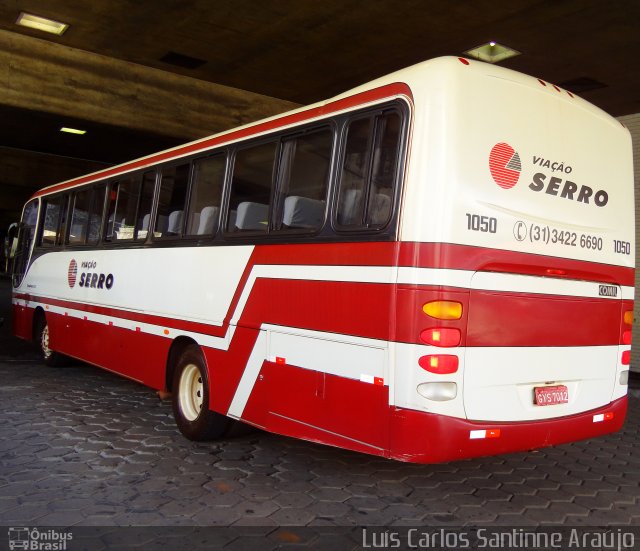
{"x": 369, "y": 96}
{"x": 390, "y": 312}
{"x": 467, "y": 257}
{"x": 512, "y": 319}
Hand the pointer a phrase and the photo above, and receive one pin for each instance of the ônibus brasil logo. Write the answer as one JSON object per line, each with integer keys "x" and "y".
{"x": 505, "y": 165}
{"x": 73, "y": 272}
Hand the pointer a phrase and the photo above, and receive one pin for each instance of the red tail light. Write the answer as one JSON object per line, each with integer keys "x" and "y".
{"x": 626, "y": 357}
{"x": 441, "y": 364}
{"x": 441, "y": 336}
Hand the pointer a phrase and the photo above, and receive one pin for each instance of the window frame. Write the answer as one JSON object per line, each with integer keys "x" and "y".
{"x": 156, "y": 200}
{"x": 62, "y": 225}
{"x": 225, "y": 154}
{"x": 137, "y": 177}
{"x": 224, "y": 218}
{"x": 400, "y": 160}
{"x": 277, "y": 212}
{"x": 93, "y": 189}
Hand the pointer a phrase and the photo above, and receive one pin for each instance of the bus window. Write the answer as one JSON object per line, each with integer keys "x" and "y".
{"x": 95, "y": 213}
{"x": 125, "y": 211}
{"x": 355, "y": 163}
{"x": 111, "y": 211}
{"x": 146, "y": 202}
{"x": 206, "y": 194}
{"x": 384, "y": 169}
{"x": 79, "y": 217}
{"x": 304, "y": 176}
{"x": 251, "y": 188}
{"x": 368, "y": 171}
{"x": 53, "y": 221}
{"x": 171, "y": 201}
{"x": 129, "y": 209}
{"x": 124, "y": 218}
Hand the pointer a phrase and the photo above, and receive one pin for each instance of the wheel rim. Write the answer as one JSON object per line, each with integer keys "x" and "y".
{"x": 191, "y": 392}
{"x": 44, "y": 342}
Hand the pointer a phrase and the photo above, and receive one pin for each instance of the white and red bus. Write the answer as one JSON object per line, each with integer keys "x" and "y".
{"x": 436, "y": 265}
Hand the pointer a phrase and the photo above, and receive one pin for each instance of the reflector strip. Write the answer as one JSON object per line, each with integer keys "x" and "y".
{"x": 371, "y": 379}
{"x": 480, "y": 434}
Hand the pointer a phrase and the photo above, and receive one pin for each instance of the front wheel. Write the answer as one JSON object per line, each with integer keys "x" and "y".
{"x": 191, "y": 401}
{"x": 51, "y": 358}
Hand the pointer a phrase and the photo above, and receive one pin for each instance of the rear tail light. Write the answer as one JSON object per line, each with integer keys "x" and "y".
{"x": 441, "y": 364}
{"x": 441, "y": 336}
{"x": 628, "y": 317}
{"x": 624, "y": 378}
{"x": 443, "y": 309}
{"x": 626, "y": 357}
{"x": 438, "y": 392}
{"x": 626, "y": 337}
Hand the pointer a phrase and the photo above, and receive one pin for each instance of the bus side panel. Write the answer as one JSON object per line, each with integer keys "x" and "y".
{"x": 22, "y": 321}
{"x": 327, "y": 408}
{"x": 124, "y": 350}
{"x": 226, "y": 369}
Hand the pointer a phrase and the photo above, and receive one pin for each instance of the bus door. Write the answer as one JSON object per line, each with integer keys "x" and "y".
{"x": 539, "y": 348}
{"x": 20, "y": 254}
{"x": 21, "y": 247}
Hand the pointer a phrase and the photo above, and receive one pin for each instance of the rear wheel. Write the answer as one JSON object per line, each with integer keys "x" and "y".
{"x": 50, "y": 357}
{"x": 191, "y": 400}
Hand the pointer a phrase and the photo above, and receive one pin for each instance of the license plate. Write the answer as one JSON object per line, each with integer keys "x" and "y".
{"x": 551, "y": 395}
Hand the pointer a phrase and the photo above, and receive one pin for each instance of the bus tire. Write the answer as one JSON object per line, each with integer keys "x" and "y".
{"x": 49, "y": 357}
{"x": 191, "y": 401}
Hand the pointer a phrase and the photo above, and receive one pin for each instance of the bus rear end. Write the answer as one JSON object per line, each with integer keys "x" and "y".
{"x": 518, "y": 209}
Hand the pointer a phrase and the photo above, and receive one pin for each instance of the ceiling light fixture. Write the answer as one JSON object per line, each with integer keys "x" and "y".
{"x": 41, "y": 23}
{"x": 492, "y": 52}
{"x": 69, "y": 130}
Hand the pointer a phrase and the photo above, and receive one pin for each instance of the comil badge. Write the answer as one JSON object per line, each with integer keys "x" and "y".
{"x": 505, "y": 165}
{"x": 72, "y": 273}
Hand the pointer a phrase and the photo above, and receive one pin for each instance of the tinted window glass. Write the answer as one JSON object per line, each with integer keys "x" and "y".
{"x": 95, "y": 213}
{"x": 354, "y": 173}
{"x": 206, "y": 194}
{"x": 384, "y": 169}
{"x": 304, "y": 177}
{"x": 171, "y": 202}
{"x": 251, "y": 188}
{"x": 53, "y": 224}
{"x": 124, "y": 220}
{"x": 146, "y": 202}
{"x": 79, "y": 217}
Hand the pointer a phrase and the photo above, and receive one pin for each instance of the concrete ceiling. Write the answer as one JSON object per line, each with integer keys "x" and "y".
{"x": 142, "y": 76}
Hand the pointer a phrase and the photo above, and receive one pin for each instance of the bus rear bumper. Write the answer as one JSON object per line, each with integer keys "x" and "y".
{"x": 420, "y": 437}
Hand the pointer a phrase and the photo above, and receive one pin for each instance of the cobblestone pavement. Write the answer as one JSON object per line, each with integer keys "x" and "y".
{"x": 80, "y": 446}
